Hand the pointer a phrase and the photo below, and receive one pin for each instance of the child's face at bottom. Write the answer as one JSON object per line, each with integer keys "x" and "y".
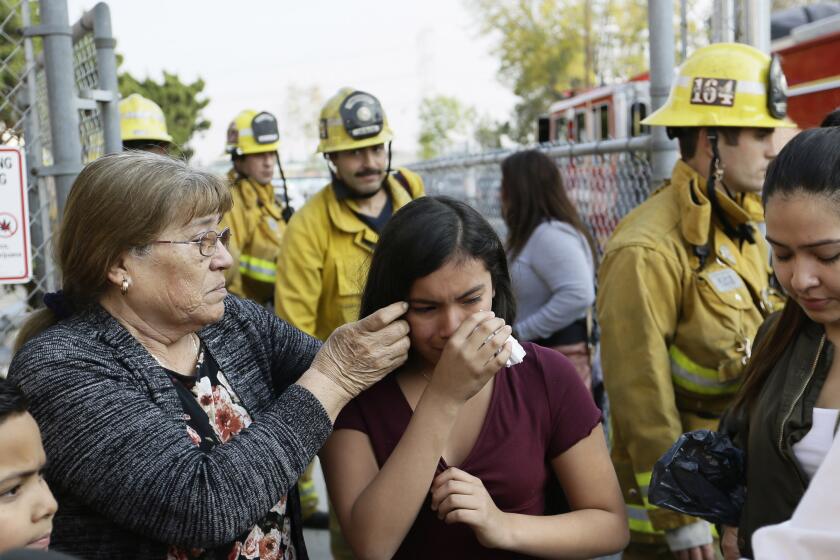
{"x": 26, "y": 504}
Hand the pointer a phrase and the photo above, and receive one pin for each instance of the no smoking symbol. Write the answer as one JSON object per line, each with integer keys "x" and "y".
{"x": 8, "y": 225}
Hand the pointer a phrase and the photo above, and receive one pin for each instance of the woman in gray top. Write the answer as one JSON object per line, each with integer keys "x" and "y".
{"x": 176, "y": 418}
{"x": 552, "y": 260}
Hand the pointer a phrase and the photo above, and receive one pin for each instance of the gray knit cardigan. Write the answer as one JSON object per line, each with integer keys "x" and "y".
{"x": 128, "y": 479}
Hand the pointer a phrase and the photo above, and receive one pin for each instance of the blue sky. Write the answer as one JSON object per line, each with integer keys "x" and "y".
{"x": 250, "y": 51}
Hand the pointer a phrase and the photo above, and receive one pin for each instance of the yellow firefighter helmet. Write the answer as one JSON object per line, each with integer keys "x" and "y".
{"x": 352, "y": 119}
{"x": 142, "y": 119}
{"x": 252, "y": 133}
{"x": 726, "y": 84}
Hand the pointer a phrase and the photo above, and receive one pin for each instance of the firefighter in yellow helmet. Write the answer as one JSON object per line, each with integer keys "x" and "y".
{"x": 143, "y": 125}
{"x": 321, "y": 269}
{"x": 685, "y": 280}
{"x": 257, "y": 220}
{"x": 321, "y": 265}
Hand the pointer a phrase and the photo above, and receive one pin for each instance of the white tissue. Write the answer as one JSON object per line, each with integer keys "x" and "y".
{"x": 517, "y": 354}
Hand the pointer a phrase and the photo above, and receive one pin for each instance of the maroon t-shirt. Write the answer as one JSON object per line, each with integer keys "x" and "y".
{"x": 539, "y": 409}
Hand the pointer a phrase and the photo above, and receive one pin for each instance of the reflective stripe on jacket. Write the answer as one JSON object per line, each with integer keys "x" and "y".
{"x": 674, "y": 337}
{"x": 257, "y": 227}
{"x": 321, "y": 268}
{"x": 692, "y": 377}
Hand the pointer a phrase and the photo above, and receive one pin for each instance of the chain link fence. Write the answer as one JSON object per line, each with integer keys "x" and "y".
{"x": 17, "y": 76}
{"x": 91, "y": 130}
{"x": 605, "y": 180}
{"x": 60, "y": 128}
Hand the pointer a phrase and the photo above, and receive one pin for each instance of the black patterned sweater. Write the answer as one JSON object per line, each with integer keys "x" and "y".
{"x": 129, "y": 481}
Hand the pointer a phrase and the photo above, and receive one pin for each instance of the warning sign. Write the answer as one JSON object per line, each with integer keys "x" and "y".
{"x": 15, "y": 250}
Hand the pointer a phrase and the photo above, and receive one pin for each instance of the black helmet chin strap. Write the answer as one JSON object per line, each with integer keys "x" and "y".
{"x": 287, "y": 208}
{"x": 744, "y": 232}
{"x": 388, "y": 169}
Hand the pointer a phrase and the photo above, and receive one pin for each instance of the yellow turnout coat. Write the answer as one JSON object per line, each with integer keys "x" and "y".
{"x": 675, "y": 337}
{"x": 256, "y": 224}
{"x": 323, "y": 261}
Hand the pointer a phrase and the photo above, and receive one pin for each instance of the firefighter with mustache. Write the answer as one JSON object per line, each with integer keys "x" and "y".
{"x": 321, "y": 269}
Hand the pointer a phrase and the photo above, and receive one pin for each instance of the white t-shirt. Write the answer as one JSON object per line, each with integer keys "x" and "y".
{"x": 811, "y": 450}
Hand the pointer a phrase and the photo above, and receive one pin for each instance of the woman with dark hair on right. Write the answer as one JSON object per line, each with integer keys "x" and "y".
{"x": 451, "y": 455}
{"x": 552, "y": 259}
{"x": 786, "y": 414}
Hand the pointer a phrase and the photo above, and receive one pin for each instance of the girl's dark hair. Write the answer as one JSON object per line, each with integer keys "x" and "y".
{"x": 832, "y": 118}
{"x": 533, "y": 192}
{"x": 12, "y": 400}
{"x": 423, "y": 236}
{"x": 808, "y": 164}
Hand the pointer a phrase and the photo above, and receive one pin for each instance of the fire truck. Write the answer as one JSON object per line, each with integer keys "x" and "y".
{"x": 810, "y": 57}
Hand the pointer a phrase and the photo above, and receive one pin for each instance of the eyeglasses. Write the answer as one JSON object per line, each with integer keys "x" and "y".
{"x": 207, "y": 241}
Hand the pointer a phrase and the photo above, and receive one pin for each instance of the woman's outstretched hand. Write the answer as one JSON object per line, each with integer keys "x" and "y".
{"x": 473, "y": 354}
{"x": 459, "y": 497}
{"x": 357, "y": 355}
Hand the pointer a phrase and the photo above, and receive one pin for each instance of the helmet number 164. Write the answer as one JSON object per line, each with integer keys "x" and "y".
{"x": 713, "y": 91}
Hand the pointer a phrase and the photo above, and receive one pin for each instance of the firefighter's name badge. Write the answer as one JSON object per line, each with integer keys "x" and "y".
{"x": 725, "y": 280}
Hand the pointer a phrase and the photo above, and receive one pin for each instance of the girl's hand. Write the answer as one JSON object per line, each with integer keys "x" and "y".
{"x": 459, "y": 497}
{"x": 472, "y": 355}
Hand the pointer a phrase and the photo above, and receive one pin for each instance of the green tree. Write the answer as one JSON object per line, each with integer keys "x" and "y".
{"x": 181, "y": 102}
{"x": 539, "y": 45}
{"x": 548, "y": 49}
{"x": 488, "y": 133}
{"x": 444, "y": 120}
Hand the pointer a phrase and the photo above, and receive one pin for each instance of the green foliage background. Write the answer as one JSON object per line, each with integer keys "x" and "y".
{"x": 542, "y": 48}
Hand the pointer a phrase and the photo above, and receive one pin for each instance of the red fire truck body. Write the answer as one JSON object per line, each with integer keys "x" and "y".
{"x": 811, "y": 61}
{"x": 810, "y": 58}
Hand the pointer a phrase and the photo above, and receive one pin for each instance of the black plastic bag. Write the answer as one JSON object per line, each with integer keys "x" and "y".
{"x": 701, "y": 475}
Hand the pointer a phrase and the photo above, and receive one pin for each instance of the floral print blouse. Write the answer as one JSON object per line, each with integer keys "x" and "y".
{"x": 213, "y": 415}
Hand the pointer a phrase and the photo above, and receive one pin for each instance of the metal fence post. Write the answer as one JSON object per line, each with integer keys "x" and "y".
{"x": 683, "y": 31}
{"x": 723, "y": 21}
{"x": 106, "y": 62}
{"x": 39, "y": 235}
{"x": 757, "y": 24}
{"x": 661, "y": 26}
{"x": 61, "y": 95}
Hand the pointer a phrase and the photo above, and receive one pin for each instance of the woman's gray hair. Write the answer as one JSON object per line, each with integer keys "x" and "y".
{"x": 122, "y": 202}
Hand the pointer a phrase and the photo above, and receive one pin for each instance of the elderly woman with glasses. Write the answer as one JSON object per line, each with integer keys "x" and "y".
{"x": 176, "y": 418}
